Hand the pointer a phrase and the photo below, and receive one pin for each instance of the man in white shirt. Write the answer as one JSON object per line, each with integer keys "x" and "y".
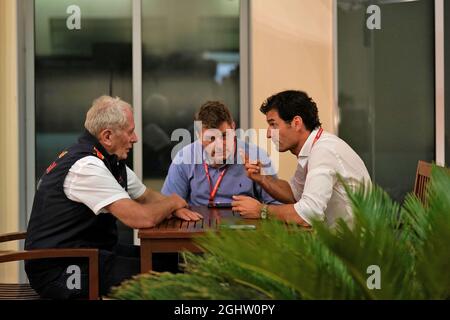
{"x": 80, "y": 197}
{"x": 314, "y": 192}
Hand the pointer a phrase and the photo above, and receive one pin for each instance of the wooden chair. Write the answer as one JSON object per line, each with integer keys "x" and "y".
{"x": 422, "y": 178}
{"x": 24, "y": 291}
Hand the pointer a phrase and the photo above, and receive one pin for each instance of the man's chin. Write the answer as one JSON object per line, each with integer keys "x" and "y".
{"x": 216, "y": 162}
{"x": 219, "y": 162}
{"x": 281, "y": 149}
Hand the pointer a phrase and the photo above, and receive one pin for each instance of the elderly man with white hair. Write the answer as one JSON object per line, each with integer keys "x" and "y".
{"x": 80, "y": 197}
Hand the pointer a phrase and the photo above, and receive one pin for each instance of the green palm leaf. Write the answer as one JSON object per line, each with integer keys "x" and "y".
{"x": 373, "y": 240}
{"x": 409, "y": 244}
{"x": 429, "y": 227}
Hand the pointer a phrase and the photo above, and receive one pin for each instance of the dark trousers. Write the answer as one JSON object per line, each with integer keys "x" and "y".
{"x": 114, "y": 267}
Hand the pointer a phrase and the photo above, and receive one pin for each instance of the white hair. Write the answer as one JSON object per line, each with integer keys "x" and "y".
{"x": 106, "y": 113}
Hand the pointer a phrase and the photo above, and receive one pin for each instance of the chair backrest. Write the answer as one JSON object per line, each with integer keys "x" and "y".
{"x": 422, "y": 178}
{"x": 15, "y": 291}
{"x": 24, "y": 291}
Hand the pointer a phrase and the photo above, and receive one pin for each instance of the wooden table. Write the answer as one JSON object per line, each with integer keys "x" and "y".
{"x": 175, "y": 235}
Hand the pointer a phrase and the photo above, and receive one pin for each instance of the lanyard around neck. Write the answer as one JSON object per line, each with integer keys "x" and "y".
{"x": 213, "y": 190}
{"x": 318, "y": 135}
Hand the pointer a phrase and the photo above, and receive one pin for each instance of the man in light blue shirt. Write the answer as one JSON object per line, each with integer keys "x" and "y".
{"x": 210, "y": 170}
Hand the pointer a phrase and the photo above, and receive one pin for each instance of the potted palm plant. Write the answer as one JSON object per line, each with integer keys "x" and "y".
{"x": 392, "y": 251}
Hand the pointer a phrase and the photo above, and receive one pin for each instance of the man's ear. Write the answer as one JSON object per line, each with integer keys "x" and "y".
{"x": 104, "y": 137}
{"x": 297, "y": 123}
{"x": 233, "y": 125}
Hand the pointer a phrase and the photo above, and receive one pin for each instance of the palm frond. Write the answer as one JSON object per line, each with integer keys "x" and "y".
{"x": 430, "y": 234}
{"x": 409, "y": 244}
{"x": 205, "y": 278}
{"x": 294, "y": 259}
{"x": 374, "y": 239}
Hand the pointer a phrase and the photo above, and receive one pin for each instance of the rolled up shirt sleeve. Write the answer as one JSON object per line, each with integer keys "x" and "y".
{"x": 91, "y": 183}
{"x": 296, "y": 188}
{"x": 135, "y": 186}
{"x": 318, "y": 186}
{"x": 177, "y": 180}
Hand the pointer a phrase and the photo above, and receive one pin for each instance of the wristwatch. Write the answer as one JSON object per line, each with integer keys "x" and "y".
{"x": 264, "y": 212}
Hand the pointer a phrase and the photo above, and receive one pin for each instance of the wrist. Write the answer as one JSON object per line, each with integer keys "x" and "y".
{"x": 264, "y": 211}
{"x": 175, "y": 205}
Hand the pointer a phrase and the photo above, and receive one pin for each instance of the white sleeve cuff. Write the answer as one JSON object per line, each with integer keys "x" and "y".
{"x": 135, "y": 186}
{"x": 294, "y": 190}
{"x": 307, "y": 214}
{"x": 139, "y": 193}
{"x": 98, "y": 208}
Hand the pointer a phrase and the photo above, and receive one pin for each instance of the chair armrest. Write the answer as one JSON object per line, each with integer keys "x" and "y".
{"x": 12, "y": 236}
{"x": 91, "y": 254}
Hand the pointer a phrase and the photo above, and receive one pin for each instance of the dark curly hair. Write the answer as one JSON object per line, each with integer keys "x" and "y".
{"x": 213, "y": 113}
{"x": 293, "y": 103}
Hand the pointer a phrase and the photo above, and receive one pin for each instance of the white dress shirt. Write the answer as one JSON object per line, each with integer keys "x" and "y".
{"x": 319, "y": 194}
{"x": 90, "y": 182}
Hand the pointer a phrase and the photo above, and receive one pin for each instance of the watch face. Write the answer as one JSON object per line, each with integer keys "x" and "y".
{"x": 264, "y": 213}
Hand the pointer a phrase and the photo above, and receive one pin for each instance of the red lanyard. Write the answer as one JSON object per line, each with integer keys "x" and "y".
{"x": 319, "y": 133}
{"x": 317, "y": 136}
{"x": 213, "y": 191}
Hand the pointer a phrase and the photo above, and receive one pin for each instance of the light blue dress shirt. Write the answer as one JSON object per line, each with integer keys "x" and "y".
{"x": 187, "y": 176}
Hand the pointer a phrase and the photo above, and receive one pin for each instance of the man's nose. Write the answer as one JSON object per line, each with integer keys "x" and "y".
{"x": 269, "y": 133}
{"x": 134, "y": 138}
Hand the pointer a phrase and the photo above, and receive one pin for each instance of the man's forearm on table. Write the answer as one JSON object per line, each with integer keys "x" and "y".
{"x": 157, "y": 211}
{"x": 137, "y": 215}
{"x": 286, "y": 212}
{"x": 151, "y": 196}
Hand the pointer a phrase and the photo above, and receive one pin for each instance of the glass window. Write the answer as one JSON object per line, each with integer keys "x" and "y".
{"x": 74, "y": 66}
{"x": 83, "y": 49}
{"x": 386, "y": 88}
{"x": 190, "y": 55}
